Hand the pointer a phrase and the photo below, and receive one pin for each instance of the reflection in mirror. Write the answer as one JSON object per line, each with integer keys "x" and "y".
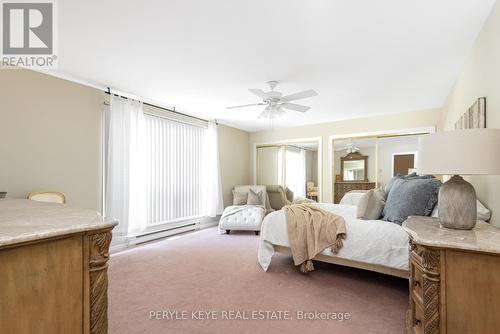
{"x": 354, "y": 170}
{"x": 396, "y": 156}
{"x": 386, "y": 157}
{"x": 350, "y": 156}
{"x": 354, "y": 166}
{"x": 293, "y": 166}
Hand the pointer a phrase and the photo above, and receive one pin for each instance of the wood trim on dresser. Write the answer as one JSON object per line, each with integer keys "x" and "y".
{"x": 428, "y": 260}
{"x": 98, "y": 281}
{"x": 431, "y": 290}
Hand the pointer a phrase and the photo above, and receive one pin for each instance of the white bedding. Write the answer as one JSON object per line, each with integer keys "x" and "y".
{"x": 370, "y": 241}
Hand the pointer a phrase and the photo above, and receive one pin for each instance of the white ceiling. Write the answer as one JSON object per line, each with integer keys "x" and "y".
{"x": 364, "y": 58}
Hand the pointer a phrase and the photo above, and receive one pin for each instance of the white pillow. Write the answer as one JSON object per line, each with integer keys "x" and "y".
{"x": 483, "y": 213}
{"x": 352, "y": 197}
{"x": 371, "y": 204}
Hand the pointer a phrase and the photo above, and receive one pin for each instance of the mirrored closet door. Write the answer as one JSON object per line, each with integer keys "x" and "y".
{"x": 293, "y": 166}
{"x": 363, "y": 163}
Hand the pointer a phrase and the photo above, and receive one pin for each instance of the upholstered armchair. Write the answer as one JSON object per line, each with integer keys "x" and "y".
{"x": 277, "y": 196}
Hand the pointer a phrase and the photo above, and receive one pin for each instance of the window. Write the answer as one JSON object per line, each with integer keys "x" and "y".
{"x": 173, "y": 170}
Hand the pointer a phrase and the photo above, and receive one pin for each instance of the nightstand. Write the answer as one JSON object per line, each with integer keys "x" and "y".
{"x": 454, "y": 278}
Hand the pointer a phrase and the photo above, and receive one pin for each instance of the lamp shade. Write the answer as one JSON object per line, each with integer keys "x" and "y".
{"x": 460, "y": 152}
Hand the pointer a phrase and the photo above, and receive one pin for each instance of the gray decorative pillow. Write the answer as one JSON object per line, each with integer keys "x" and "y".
{"x": 388, "y": 185}
{"x": 371, "y": 204}
{"x": 240, "y": 198}
{"x": 412, "y": 176}
{"x": 411, "y": 197}
{"x": 255, "y": 198}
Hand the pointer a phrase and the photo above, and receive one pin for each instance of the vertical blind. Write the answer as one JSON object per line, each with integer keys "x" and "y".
{"x": 174, "y": 170}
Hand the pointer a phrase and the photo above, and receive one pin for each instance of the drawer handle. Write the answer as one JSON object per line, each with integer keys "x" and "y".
{"x": 415, "y": 283}
{"x": 416, "y": 322}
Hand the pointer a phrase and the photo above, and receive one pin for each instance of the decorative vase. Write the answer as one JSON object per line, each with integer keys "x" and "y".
{"x": 457, "y": 204}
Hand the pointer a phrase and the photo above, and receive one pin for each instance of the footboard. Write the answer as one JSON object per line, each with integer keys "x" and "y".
{"x": 351, "y": 263}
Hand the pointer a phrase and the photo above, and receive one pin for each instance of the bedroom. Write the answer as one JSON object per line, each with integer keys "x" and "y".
{"x": 155, "y": 208}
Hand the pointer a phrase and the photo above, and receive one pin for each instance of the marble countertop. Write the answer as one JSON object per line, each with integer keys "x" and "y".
{"x": 22, "y": 220}
{"x": 427, "y": 231}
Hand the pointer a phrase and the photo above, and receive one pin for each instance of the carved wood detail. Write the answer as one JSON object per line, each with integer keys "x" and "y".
{"x": 430, "y": 261}
{"x": 99, "y": 255}
{"x": 430, "y": 286}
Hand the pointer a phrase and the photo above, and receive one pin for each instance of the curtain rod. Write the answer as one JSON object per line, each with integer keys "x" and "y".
{"x": 162, "y": 108}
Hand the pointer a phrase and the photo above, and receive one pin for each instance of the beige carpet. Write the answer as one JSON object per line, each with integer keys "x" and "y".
{"x": 205, "y": 271}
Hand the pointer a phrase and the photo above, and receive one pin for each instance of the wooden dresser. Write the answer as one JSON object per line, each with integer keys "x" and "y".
{"x": 53, "y": 268}
{"x": 454, "y": 278}
{"x": 342, "y": 188}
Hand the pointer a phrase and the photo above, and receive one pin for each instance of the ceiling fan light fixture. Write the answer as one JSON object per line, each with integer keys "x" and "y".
{"x": 265, "y": 113}
{"x": 275, "y": 102}
{"x": 272, "y": 112}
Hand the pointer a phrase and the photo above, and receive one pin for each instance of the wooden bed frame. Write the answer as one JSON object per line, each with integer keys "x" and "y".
{"x": 351, "y": 263}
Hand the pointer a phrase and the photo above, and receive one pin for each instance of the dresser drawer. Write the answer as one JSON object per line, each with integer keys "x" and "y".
{"x": 417, "y": 324}
{"x": 416, "y": 273}
{"x": 416, "y": 253}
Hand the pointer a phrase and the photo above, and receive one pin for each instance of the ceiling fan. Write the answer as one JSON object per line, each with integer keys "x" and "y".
{"x": 275, "y": 102}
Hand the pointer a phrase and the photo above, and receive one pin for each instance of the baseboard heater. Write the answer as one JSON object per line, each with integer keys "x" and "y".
{"x": 165, "y": 233}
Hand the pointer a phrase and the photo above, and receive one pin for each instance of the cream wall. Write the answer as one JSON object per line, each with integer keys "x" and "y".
{"x": 481, "y": 77}
{"x": 234, "y": 160}
{"x": 50, "y": 137}
{"x": 416, "y": 119}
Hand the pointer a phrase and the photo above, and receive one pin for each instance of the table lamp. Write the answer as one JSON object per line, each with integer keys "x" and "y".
{"x": 459, "y": 152}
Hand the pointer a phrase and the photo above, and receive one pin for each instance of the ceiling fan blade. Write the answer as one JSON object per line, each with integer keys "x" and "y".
{"x": 298, "y": 96}
{"x": 259, "y": 92}
{"x": 246, "y": 105}
{"x": 296, "y": 107}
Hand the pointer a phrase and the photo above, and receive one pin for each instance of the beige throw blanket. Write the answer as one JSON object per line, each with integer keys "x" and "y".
{"x": 311, "y": 231}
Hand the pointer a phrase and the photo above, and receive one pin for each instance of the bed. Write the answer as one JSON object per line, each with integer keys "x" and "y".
{"x": 374, "y": 245}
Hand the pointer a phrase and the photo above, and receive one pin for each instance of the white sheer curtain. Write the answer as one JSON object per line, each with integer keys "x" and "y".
{"x": 158, "y": 171}
{"x": 125, "y": 166}
{"x": 295, "y": 171}
{"x": 212, "y": 200}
